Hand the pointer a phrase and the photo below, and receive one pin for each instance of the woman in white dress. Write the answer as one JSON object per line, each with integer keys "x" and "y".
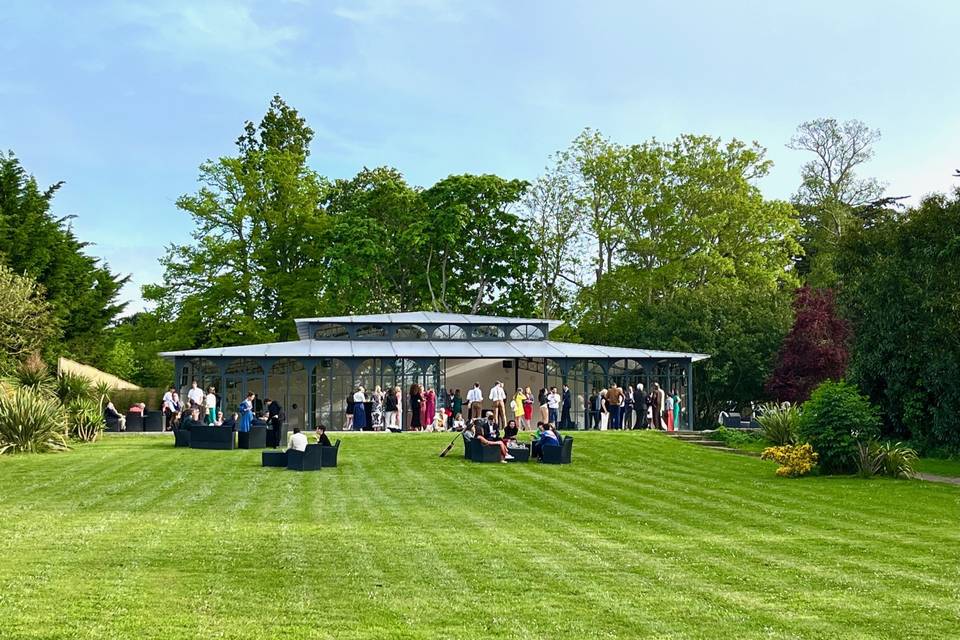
{"x": 604, "y": 412}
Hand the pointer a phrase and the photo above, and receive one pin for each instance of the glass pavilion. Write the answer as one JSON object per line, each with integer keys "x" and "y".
{"x": 311, "y": 377}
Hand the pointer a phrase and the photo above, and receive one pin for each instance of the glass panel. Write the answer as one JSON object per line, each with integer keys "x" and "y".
{"x": 410, "y": 332}
{"x": 243, "y": 375}
{"x": 287, "y": 384}
{"x": 487, "y": 332}
{"x": 526, "y": 332}
{"x": 371, "y": 331}
{"x": 449, "y": 332}
{"x": 333, "y": 383}
{"x": 330, "y": 332}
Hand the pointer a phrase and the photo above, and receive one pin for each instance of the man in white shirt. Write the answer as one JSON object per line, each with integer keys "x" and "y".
{"x": 167, "y": 407}
{"x": 475, "y": 401}
{"x": 498, "y": 396}
{"x": 298, "y": 441}
{"x": 553, "y": 406}
{"x": 195, "y": 395}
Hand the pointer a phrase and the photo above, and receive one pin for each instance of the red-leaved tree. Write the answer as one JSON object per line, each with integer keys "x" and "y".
{"x": 816, "y": 349}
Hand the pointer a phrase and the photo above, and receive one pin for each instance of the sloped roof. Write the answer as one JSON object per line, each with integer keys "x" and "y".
{"x": 428, "y": 317}
{"x": 495, "y": 349}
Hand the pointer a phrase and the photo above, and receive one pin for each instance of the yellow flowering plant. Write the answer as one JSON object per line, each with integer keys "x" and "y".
{"x": 795, "y": 460}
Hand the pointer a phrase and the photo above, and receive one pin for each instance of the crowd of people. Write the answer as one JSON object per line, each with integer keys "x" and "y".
{"x": 633, "y": 408}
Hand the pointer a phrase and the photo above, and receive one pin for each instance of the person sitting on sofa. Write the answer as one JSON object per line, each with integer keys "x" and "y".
{"x": 491, "y": 428}
{"x": 110, "y": 413}
{"x": 231, "y": 422}
{"x": 138, "y": 407}
{"x": 193, "y": 420}
{"x": 322, "y": 438}
{"x": 504, "y": 454}
{"x": 510, "y": 431}
{"x": 218, "y": 421}
{"x": 298, "y": 441}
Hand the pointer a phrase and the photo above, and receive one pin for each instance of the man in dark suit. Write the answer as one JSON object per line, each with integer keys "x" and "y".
{"x": 593, "y": 411}
{"x": 565, "y": 421}
{"x": 275, "y": 420}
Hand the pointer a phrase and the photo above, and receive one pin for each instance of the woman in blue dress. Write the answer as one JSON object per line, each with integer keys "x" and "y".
{"x": 246, "y": 413}
{"x": 359, "y": 411}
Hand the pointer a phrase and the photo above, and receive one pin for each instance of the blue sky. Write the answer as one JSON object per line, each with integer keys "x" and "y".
{"x": 123, "y": 100}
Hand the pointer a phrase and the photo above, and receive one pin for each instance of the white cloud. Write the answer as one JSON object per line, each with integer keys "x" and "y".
{"x": 211, "y": 27}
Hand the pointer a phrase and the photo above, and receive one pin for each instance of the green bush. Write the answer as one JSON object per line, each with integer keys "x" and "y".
{"x": 73, "y": 386}
{"x": 31, "y": 420}
{"x": 893, "y": 459}
{"x": 778, "y": 424}
{"x": 85, "y": 419}
{"x": 736, "y": 437}
{"x": 834, "y": 420}
{"x": 32, "y": 373}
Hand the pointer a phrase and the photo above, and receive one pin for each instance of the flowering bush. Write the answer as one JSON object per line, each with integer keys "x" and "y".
{"x": 794, "y": 460}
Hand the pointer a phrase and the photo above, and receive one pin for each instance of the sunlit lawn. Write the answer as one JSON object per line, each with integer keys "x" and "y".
{"x": 641, "y": 537}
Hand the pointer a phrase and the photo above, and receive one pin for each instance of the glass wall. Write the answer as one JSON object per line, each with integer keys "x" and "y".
{"x": 287, "y": 384}
{"x": 243, "y": 375}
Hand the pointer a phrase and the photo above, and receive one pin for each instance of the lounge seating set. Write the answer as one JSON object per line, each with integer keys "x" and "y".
{"x": 138, "y": 423}
{"x": 210, "y": 437}
{"x": 475, "y": 451}
{"x": 736, "y": 421}
{"x": 313, "y": 459}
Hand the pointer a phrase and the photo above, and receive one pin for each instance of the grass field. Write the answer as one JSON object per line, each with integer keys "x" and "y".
{"x": 641, "y": 537}
{"x": 939, "y": 467}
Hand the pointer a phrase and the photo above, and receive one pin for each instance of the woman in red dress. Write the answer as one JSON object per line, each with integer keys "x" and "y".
{"x": 528, "y": 406}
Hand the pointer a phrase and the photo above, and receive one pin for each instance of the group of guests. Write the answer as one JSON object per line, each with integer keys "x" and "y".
{"x": 632, "y": 408}
{"x": 487, "y": 431}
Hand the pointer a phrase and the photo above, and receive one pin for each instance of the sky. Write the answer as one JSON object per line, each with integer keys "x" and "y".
{"x": 124, "y": 100}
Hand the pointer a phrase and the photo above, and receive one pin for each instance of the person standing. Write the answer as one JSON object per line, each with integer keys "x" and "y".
{"x": 390, "y": 408}
{"x": 430, "y": 406}
{"x": 210, "y": 405}
{"x": 614, "y": 405}
{"x": 167, "y": 407}
{"x": 640, "y": 398}
{"x": 359, "y": 410}
{"x": 246, "y": 412}
{"x": 542, "y": 401}
{"x": 553, "y": 406}
{"x": 528, "y": 407}
{"x": 349, "y": 412}
{"x": 456, "y": 407}
{"x": 604, "y": 410}
{"x": 195, "y": 396}
{"x": 565, "y": 405}
{"x": 376, "y": 409}
{"x": 517, "y": 405}
{"x": 656, "y": 403}
{"x": 677, "y": 420}
{"x": 498, "y": 397}
{"x": 628, "y": 403}
{"x": 416, "y": 402}
{"x": 275, "y": 418}
{"x": 475, "y": 401}
{"x": 398, "y": 392}
{"x": 593, "y": 411}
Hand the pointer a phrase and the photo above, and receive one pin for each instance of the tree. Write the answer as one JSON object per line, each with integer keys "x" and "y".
{"x": 81, "y": 291}
{"x": 832, "y": 198}
{"x": 815, "y": 349}
{"x": 252, "y": 265}
{"x": 561, "y": 248}
{"x": 27, "y": 325}
{"x": 703, "y": 264}
{"x": 479, "y": 254}
{"x": 121, "y": 360}
{"x": 902, "y": 295}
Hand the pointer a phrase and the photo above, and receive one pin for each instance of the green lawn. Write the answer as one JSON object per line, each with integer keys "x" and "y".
{"x": 642, "y": 536}
{"x": 939, "y": 467}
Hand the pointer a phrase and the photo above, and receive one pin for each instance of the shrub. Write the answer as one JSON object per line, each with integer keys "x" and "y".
{"x": 73, "y": 386}
{"x": 735, "y": 437}
{"x": 85, "y": 420}
{"x": 794, "y": 460}
{"x": 778, "y": 424}
{"x": 893, "y": 459}
{"x": 32, "y": 373}
{"x": 833, "y": 421}
{"x": 31, "y": 420}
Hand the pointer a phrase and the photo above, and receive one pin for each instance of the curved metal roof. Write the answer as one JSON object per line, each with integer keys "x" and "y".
{"x": 498, "y": 349}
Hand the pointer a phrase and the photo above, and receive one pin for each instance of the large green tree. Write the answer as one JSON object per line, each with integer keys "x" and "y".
{"x": 251, "y": 266}
{"x": 81, "y": 290}
{"x": 698, "y": 260}
{"x": 902, "y": 293}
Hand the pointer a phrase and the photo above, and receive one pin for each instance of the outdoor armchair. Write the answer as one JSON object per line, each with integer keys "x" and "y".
{"x": 557, "y": 454}
{"x": 308, "y": 460}
{"x": 134, "y": 421}
{"x": 484, "y": 452}
{"x": 328, "y": 455}
{"x": 153, "y": 421}
{"x": 256, "y": 438}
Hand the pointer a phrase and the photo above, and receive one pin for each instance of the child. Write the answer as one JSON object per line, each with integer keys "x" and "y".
{"x": 458, "y": 423}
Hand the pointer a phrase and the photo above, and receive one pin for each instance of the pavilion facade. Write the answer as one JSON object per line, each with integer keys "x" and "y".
{"x": 312, "y": 377}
